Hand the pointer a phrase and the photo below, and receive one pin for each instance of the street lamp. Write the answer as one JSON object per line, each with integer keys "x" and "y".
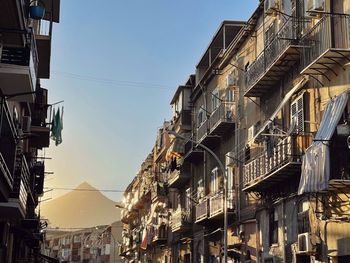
{"x": 224, "y": 172}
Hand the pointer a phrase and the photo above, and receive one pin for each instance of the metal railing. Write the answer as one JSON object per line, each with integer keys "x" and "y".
{"x": 202, "y": 130}
{"x": 24, "y": 185}
{"x": 332, "y": 31}
{"x": 202, "y": 209}
{"x": 158, "y": 190}
{"x": 216, "y": 204}
{"x": 290, "y": 149}
{"x": 223, "y": 113}
{"x": 184, "y": 118}
{"x": 180, "y": 217}
{"x": 173, "y": 176}
{"x": 274, "y": 49}
{"x": 23, "y": 56}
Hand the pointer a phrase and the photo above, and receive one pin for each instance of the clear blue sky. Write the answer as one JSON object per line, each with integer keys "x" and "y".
{"x": 116, "y": 65}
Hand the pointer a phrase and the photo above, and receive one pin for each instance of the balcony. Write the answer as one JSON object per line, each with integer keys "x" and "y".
{"x": 216, "y": 204}
{"x": 43, "y": 42}
{"x": 276, "y": 59}
{"x": 181, "y": 220}
{"x": 128, "y": 214}
{"x": 326, "y": 45}
{"x": 160, "y": 234}
{"x": 182, "y": 122}
{"x": 141, "y": 196}
{"x": 177, "y": 178}
{"x": 203, "y": 131}
{"x": 276, "y": 165}
{"x": 222, "y": 119}
{"x": 202, "y": 210}
{"x": 193, "y": 153}
{"x": 8, "y": 140}
{"x": 158, "y": 192}
{"x": 13, "y": 14}
{"x": 17, "y": 203}
{"x": 18, "y": 70}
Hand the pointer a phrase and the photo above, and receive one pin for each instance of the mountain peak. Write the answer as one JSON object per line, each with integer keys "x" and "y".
{"x": 85, "y": 185}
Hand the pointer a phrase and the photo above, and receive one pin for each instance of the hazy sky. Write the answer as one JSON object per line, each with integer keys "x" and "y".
{"x": 116, "y": 65}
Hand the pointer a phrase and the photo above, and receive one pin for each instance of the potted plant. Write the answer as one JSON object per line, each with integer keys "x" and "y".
{"x": 36, "y": 9}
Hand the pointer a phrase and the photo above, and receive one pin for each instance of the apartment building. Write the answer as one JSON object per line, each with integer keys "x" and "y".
{"x": 25, "y": 48}
{"x": 95, "y": 244}
{"x": 269, "y": 127}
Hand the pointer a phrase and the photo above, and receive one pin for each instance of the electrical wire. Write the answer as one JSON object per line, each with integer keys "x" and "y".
{"x": 114, "y": 82}
{"x": 85, "y": 189}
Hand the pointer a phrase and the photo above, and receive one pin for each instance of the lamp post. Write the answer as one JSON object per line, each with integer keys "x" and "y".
{"x": 223, "y": 170}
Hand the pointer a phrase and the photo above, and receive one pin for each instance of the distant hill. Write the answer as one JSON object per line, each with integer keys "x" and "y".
{"x": 78, "y": 209}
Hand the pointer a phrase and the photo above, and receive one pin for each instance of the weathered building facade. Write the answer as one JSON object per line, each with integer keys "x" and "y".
{"x": 25, "y": 53}
{"x": 270, "y": 100}
{"x": 95, "y": 244}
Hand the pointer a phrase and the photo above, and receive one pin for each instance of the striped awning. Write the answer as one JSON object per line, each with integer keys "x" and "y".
{"x": 315, "y": 169}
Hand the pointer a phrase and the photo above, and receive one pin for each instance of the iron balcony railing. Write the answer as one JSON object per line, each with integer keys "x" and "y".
{"x": 173, "y": 176}
{"x": 288, "y": 150}
{"x": 216, "y": 204}
{"x": 202, "y": 130}
{"x": 223, "y": 113}
{"x": 331, "y": 32}
{"x": 179, "y": 218}
{"x": 183, "y": 119}
{"x": 158, "y": 190}
{"x": 25, "y": 182}
{"x": 202, "y": 210}
{"x": 22, "y": 56}
{"x": 9, "y": 134}
{"x": 274, "y": 49}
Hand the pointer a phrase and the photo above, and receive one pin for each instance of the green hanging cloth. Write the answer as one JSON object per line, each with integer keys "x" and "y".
{"x": 57, "y": 126}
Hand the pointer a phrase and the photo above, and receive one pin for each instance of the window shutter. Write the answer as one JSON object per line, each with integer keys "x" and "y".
{"x": 297, "y": 113}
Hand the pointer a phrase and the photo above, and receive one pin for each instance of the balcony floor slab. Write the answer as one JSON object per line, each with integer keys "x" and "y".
{"x": 275, "y": 72}
{"x": 326, "y": 61}
{"x": 264, "y": 182}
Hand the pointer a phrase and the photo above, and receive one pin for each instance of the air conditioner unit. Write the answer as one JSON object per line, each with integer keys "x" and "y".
{"x": 231, "y": 80}
{"x": 315, "y": 5}
{"x": 270, "y": 6}
{"x": 26, "y": 123}
{"x": 304, "y": 243}
{"x": 251, "y": 132}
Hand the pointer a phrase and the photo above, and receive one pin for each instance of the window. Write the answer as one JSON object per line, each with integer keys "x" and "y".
{"x": 297, "y": 114}
{"x": 214, "y": 180}
{"x": 230, "y": 95}
{"x": 200, "y": 189}
{"x": 231, "y": 190}
{"x": 215, "y": 99}
{"x": 273, "y": 227}
{"x": 200, "y": 117}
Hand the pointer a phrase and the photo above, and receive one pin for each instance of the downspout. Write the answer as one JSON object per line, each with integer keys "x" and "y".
{"x": 284, "y": 232}
{"x": 325, "y": 251}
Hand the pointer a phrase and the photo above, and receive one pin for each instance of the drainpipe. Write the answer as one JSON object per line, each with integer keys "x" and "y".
{"x": 284, "y": 232}
{"x": 325, "y": 250}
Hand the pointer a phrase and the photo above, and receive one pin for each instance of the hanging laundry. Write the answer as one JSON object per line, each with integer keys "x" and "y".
{"x": 57, "y": 126}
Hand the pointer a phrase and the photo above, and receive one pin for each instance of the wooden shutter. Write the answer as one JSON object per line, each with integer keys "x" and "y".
{"x": 297, "y": 113}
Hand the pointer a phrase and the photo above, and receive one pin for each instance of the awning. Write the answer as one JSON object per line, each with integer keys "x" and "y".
{"x": 315, "y": 169}
{"x": 286, "y": 98}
